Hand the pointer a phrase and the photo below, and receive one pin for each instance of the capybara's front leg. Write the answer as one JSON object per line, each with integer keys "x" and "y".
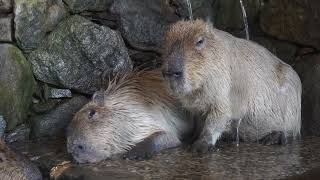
{"x": 274, "y": 137}
{"x": 151, "y": 145}
{"x": 215, "y": 125}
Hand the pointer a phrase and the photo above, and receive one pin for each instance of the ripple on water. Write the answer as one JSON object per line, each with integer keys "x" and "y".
{"x": 247, "y": 161}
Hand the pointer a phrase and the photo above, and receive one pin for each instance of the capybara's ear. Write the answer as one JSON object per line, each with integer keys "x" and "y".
{"x": 98, "y": 98}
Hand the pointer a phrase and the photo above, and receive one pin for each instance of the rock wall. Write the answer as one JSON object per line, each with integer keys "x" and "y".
{"x": 54, "y": 54}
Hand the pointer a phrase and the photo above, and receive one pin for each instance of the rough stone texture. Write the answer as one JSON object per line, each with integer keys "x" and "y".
{"x": 79, "y": 54}
{"x": 296, "y": 21}
{"x": 34, "y": 19}
{"x": 308, "y": 69}
{"x": 228, "y": 15}
{"x": 5, "y": 6}
{"x": 143, "y": 22}
{"x": 21, "y": 133}
{"x": 284, "y": 50}
{"x": 2, "y": 126}
{"x": 55, "y": 121}
{"x": 5, "y": 29}
{"x": 16, "y": 85}
{"x": 60, "y": 93}
{"x": 77, "y": 6}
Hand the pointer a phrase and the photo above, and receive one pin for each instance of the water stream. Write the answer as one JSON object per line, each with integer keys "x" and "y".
{"x": 245, "y": 20}
{"x": 189, "y": 9}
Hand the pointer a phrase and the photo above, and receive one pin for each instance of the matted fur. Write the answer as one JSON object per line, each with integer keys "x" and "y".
{"x": 230, "y": 78}
{"x": 135, "y": 106}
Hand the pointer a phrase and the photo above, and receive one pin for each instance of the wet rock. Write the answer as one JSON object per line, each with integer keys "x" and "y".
{"x": 308, "y": 69}
{"x": 79, "y": 54}
{"x": 16, "y": 166}
{"x": 228, "y": 15}
{"x": 34, "y": 19}
{"x": 55, "y": 121}
{"x": 297, "y": 21}
{"x": 284, "y": 50}
{"x": 21, "y": 133}
{"x": 5, "y": 29}
{"x": 142, "y": 23}
{"x": 2, "y": 126}
{"x": 77, "y": 6}
{"x": 145, "y": 59}
{"x": 60, "y": 93}
{"x": 46, "y": 106}
{"x": 16, "y": 85}
{"x": 5, "y": 6}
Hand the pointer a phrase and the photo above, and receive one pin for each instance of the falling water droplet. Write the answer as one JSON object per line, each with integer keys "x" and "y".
{"x": 238, "y": 125}
{"x": 245, "y": 20}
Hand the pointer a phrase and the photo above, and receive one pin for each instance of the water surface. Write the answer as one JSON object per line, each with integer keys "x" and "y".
{"x": 246, "y": 161}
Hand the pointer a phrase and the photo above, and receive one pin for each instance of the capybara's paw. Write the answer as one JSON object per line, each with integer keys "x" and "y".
{"x": 137, "y": 155}
{"x": 202, "y": 146}
{"x": 274, "y": 137}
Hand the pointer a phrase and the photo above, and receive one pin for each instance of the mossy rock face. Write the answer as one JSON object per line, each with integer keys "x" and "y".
{"x": 16, "y": 85}
{"x": 79, "y": 54}
{"x": 34, "y": 19}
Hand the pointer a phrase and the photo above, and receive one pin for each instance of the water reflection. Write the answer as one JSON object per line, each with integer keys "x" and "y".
{"x": 246, "y": 161}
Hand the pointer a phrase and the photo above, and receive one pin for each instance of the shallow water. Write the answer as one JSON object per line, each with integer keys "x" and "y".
{"x": 246, "y": 161}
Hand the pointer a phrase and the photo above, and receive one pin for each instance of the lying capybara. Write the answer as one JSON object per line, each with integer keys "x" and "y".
{"x": 15, "y": 166}
{"x": 134, "y": 117}
{"x": 226, "y": 78}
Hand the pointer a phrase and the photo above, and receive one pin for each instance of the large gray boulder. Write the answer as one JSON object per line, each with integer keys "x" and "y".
{"x": 34, "y": 19}
{"x": 78, "y": 54}
{"x": 143, "y": 22}
{"x": 16, "y": 85}
{"x": 308, "y": 69}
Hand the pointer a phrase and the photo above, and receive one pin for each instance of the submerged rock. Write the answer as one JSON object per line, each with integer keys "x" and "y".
{"x": 16, "y": 85}
{"x": 78, "y": 54}
{"x": 56, "y": 120}
{"x": 34, "y": 19}
{"x": 308, "y": 69}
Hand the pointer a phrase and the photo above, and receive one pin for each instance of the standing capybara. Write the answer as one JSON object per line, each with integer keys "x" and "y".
{"x": 134, "y": 116}
{"x": 225, "y": 78}
{"x": 15, "y": 166}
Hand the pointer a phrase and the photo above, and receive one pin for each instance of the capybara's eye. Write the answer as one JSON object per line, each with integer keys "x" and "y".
{"x": 92, "y": 112}
{"x": 200, "y": 42}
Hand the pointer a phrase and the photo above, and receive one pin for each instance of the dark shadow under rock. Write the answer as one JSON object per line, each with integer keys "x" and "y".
{"x": 54, "y": 122}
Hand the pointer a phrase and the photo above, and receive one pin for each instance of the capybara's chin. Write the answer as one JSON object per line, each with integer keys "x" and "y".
{"x": 83, "y": 153}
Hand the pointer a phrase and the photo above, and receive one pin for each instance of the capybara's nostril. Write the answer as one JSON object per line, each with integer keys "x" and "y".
{"x": 172, "y": 74}
{"x": 177, "y": 74}
{"x": 80, "y": 147}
